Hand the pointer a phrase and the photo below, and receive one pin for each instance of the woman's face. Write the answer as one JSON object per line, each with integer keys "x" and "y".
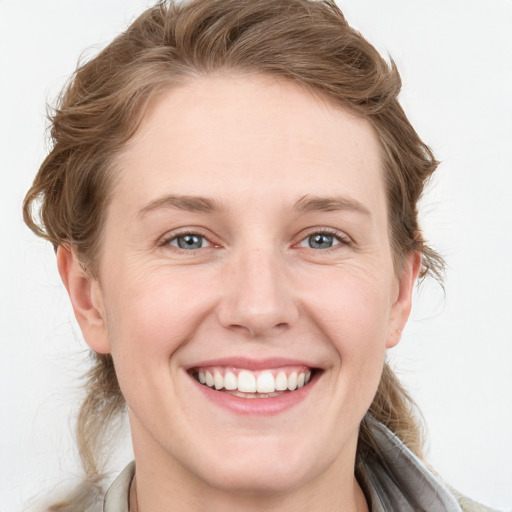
{"x": 246, "y": 244}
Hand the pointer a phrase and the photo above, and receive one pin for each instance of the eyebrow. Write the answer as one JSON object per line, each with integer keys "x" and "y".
{"x": 309, "y": 203}
{"x": 181, "y": 202}
{"x": 305, "y": 204}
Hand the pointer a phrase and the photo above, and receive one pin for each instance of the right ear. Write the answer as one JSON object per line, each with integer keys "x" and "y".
{"x": 86, "y": 298}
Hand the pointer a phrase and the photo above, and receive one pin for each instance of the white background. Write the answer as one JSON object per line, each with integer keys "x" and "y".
{"x": 456, "y": 62}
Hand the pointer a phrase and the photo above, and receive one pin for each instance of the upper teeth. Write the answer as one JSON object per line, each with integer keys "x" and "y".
{"x": 247, "y": 381}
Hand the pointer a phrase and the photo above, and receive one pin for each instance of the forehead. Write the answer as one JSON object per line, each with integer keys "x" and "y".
{"x": 236, "y": 135}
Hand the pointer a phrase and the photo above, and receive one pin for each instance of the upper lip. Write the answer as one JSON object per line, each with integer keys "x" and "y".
{"x": 252, "y": 363}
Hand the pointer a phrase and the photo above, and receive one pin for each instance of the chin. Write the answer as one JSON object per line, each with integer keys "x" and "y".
{"x": 266, "y": 478}
{"x": 262, "y": 467}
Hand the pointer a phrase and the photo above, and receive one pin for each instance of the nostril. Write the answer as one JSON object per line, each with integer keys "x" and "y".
{"x": 240, "y": 328}
{"x": 256, "y": 330}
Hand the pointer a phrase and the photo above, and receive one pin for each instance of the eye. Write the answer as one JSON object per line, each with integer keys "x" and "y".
{"x": 189, "y": 241}
{"x": 322, "y": 241}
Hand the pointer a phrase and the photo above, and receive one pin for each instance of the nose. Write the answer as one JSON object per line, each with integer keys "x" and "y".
{"x": 259, "y": 299}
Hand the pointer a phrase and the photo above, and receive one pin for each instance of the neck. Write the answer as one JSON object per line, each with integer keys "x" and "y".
{"x": 356, "y": 502}
{"x": 163, "y": 483}
{"x": 159, "y": 491}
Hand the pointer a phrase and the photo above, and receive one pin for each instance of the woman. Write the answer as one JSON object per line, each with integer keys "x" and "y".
{"x": 232, "y": 194}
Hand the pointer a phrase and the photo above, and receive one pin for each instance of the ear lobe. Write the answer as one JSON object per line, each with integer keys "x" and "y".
{"x": 86, "y": 298}
{"x": 401, "y": 308}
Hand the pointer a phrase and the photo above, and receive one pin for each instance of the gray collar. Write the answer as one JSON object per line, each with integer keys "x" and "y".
{"x": 405, "y": 478}
{"x": 117, "y": 498}
{"x": 387, "y": 491}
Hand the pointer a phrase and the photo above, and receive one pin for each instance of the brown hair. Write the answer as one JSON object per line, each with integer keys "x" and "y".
{"x": 305, "y": 41}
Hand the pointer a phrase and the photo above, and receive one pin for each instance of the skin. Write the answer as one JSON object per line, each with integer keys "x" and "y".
{"x": 256, "y": 146}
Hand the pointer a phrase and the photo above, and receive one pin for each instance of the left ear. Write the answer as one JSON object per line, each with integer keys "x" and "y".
{"x": 401, "y": 308}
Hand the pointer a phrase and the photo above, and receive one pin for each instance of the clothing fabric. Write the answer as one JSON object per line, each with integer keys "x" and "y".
{"x": 386, "y": 490}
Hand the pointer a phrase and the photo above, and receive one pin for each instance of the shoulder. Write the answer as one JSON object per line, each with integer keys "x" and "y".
{"x": 404, "y": 480}
{"x": 468, "y": 505}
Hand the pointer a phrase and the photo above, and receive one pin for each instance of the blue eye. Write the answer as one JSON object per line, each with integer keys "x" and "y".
{"x": 189, "y": 241}
{"x": 320, "y": 241}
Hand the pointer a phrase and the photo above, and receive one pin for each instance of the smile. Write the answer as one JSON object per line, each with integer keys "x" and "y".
{"x": 246, "y": 383}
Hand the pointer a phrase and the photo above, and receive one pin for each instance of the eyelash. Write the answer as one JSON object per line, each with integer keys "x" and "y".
{"x": 342, "y": 239}
{"x": 167, "y": 241}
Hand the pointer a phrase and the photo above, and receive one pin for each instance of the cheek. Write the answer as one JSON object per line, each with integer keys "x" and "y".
{"x": 152, "y": 313}
{"x": 352, "y": 306}
{"x": 150, "y": 316}
{"x": 353, "y": 316}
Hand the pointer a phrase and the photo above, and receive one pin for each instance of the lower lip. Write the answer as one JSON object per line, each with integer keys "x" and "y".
{"x": 257, "y": 406}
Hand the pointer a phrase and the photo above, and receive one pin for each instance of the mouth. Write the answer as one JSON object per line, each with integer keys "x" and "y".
{"x": 250, "y": 384}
